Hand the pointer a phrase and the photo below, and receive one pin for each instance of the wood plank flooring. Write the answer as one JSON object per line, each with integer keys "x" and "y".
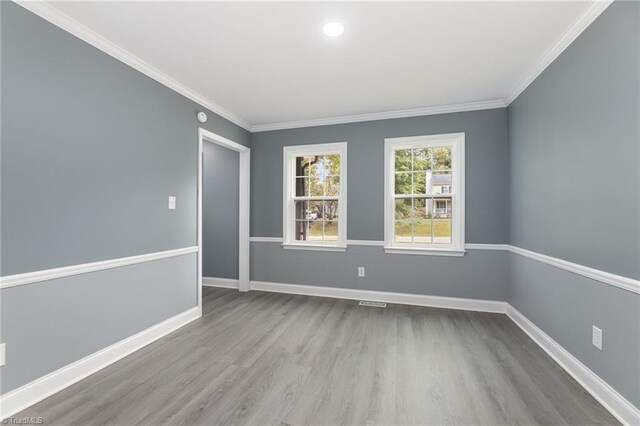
{"x": 264, "y": 358}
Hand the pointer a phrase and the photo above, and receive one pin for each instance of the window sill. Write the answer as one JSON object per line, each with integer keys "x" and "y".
{"x": 316, "y": 247}
{"x": 424, "y": 251}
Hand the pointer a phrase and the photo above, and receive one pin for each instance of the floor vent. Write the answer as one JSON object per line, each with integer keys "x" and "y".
{"x": 374, "y": 304}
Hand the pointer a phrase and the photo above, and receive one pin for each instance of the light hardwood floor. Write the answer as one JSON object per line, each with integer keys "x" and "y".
{"x": 265, "y": 358}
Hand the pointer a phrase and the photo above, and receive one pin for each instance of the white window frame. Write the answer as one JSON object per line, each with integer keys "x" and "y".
{"x": 456, "y": 142}
{"x": 288, "y": 225}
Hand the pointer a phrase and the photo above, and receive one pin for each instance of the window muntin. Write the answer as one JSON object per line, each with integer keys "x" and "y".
{"x": 315, "y": 195}
{"x": 424, "y": 189}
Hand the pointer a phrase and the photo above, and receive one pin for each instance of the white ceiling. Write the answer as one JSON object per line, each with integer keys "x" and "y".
{"x": 268, "y": 62}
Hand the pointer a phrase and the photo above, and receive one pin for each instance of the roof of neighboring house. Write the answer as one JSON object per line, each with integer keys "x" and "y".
{"x": 441, "y": 179}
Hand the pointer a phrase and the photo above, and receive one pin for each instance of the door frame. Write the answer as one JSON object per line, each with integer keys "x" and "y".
{"x": 244, "y": 198}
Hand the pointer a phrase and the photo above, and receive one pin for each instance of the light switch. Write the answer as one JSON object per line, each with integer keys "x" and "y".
{"x": 2, "y": 355}
{"x": 172, "y": 202}
{"x": 596, "y": 337}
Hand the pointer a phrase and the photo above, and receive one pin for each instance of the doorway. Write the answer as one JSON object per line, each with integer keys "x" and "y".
{"x": 235, "y": 213}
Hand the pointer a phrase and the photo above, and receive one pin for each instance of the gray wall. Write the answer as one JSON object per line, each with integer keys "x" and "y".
{"x": 566, "y": 305}
{"x": 91, "y": 149}
{"x": 481, "y": 274}
{"x": 486, "y": 171}
{"x": 574, "y": 150}
{"x": 477, "y": 275}
{"x": 49, "y": 325}
{"x": 220, "y": 212}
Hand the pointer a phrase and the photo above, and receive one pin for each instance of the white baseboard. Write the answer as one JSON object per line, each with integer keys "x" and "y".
{"x": 383, "y": 296}
{"x": 220, "y": 282}
{"x": 17, "y": 400}
{"x": 31, "y": 393}
{"x": 615, "y": 403}
{"x": 610, "y": 399}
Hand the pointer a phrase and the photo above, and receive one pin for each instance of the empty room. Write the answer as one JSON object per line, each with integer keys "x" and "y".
{"x": 320, "y": 213}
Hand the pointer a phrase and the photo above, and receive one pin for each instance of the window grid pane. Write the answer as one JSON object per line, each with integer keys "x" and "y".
{"x": 316, "y": 220}
{"x": 423, "y": 220}
{"x": 316, "y": 193}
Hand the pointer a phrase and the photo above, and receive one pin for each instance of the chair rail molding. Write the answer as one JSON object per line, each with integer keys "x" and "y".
{"x": 67, "y": 271}
{"x": 619, "y": 281}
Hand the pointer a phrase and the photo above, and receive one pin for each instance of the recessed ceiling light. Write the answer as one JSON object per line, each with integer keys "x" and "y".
{"x": 333, "y": 29}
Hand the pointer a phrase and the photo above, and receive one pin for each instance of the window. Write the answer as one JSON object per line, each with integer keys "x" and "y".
{"x": 424, "y": 195}
{"x": 315, "y": 197}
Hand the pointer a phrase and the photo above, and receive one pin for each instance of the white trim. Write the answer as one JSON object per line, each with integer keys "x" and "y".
{"x": 569, "y": 36}
{"x": 380, "y": 243}
{"x": 619, "y": 281}
{"x": 266, "y": 240}
{"x": 39, "y": 389}
{"x": 220, "y": 282}
{"x": 414, "y": 112}
{"x": 67, "y": 271}
{"x": 289, "y": 154}
{"x": 314, "y": 247}
{"x": 456, "y": 142}
{"x": 70, "y": 25}
{"x": 625, "y": 283}
{"x": 504, "y": 247}
{"x": 424, "y": 251}
{"x": 365, "y": 243}
{"x": 383, "y": 296}
{"x": 244, "y": 178}
{"x": 610, "y": 399}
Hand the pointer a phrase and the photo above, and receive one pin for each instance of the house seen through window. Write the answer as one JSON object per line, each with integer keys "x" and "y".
{"x": 424, "y": 193}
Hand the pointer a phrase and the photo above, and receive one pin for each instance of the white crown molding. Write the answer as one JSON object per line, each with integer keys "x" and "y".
{"x": 586, "y": 19}
{"x": 415, "y": 112}
{"x": 610, "y": 399}
{"x": 65, "y": 22}
{"x": 67, "y": 271}
{"x": 220, "y": 282}
{"x": 479, "y": 305}
{"x": 70, "y": 25}
{"x": 17, "y": 400}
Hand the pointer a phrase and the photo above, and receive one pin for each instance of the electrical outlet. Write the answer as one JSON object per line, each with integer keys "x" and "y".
{"x": 2, "y": 357}
{"x": 361, "y": 271}
{"x": 596, "y": 337}
{"x": 172, "y": 202}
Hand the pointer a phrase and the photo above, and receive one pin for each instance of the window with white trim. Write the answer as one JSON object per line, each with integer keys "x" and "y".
{"x": 315, "y": 196}
{"x": 424, "y": 194}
